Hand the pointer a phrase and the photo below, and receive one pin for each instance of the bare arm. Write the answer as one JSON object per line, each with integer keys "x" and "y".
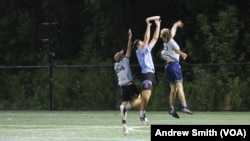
{"x": 156, "y": 33}
{"x": 183, "y": 55}
{"x": 129, "y": 45}
{"x": 147, "y": 34}
{"x": 175, "y": 26}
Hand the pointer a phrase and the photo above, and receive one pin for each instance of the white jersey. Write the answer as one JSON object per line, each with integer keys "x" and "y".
{"x": 168, "y": 50}
{"x": 123, "y": 71}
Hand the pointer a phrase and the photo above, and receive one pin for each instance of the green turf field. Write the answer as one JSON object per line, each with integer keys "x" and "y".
{"x": 99, "y": 125}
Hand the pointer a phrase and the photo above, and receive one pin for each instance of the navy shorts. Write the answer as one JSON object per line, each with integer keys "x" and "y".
{"x": 173, "y": 72}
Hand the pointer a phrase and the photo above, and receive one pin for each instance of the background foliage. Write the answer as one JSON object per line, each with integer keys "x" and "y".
{"x": 215, "y": 36}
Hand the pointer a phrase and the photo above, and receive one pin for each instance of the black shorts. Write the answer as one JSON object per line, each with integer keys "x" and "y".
{"x": 129, "y": 92}
{"x": 148, "y": 80}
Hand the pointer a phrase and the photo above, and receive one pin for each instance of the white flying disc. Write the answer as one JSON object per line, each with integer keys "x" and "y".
{"x": 153, "y": 18}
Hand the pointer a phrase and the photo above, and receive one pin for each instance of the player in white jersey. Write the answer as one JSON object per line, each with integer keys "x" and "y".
{"x": 171, "y": 54}
{"x": 144, "y": 57}
{"x": 130, "y": 95}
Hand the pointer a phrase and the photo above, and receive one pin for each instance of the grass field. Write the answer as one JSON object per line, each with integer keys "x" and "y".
{"x": 99, "y": 125}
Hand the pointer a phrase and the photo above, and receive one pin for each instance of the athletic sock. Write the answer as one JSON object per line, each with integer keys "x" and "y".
{"x": 141, "y": 113}
{"x": 184, "y": 104}
{"x": 172, "y": 106}
{"x": 123, "y": 121}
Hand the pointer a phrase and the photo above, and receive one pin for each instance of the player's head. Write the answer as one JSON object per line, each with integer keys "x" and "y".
{"x": 118, "y": 56}
{"x": 165, "y": 34}
{"x": 137, "y": 43}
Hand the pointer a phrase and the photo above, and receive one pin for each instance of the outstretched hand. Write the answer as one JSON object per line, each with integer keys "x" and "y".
{"x": 148, "y": 22}
{"x": 129, "y": 33}
{"x": 179, "y": 23}
{"x": 157, "y": 22}
{"x": 184, "y": 56}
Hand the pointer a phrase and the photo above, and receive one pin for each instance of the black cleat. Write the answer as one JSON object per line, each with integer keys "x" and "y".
{"x": 143, "y": 120}
{"x": 174, "y": 113}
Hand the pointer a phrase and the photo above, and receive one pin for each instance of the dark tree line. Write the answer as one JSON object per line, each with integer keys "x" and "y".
{"x": 215, "y": 36}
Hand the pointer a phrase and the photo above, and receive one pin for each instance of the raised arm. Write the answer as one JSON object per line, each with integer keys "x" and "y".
{"x": 147, "y": 34}
{"x": 175, "y": 26}
{"x": 129, "y": 45}
{"x": 156, "y": 33}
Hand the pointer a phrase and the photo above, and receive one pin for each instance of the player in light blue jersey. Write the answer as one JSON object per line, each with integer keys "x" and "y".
{"x": 144, "y": 57}
{"x": 171, "y": 54}
{"x": 130, "y": 95}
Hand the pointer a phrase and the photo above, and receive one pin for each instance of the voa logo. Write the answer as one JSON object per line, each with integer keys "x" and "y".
{"x": 232, "y": 132}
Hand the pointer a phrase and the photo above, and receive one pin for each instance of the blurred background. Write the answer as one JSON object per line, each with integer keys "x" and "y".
{"x": 58, "y": 54}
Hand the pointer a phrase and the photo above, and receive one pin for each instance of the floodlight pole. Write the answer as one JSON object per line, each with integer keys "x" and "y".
{"x": 49, "y": 32}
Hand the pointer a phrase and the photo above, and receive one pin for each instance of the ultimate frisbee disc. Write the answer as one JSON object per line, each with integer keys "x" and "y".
{"x": 153, "y": 18}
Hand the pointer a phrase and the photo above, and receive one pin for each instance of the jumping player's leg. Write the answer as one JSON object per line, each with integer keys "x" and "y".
{"x": 146, "y": 94}
{"x": 133, "y": 103}
{"x": 181, "y": 94}
{"x": 124, "y": 117}
{"x": 130, "y": 98}
{"x": 182, "y": 98}
{"x": 147, "y": 87}
{"x": 123, "y": 111}
{"x": 172, "y": 96}
{"x": 125, "y": 98}
{"x": 136, "y": 102}
{"x": 135, "y": 96}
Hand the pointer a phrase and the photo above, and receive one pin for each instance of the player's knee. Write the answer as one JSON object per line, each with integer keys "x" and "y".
{"x": 147, "y": 85}
{"x": 128, "y": 106}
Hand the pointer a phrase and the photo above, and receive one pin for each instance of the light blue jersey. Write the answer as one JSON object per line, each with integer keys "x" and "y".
{"x": 145, "y": 59}
{"x": 123, "y": 71}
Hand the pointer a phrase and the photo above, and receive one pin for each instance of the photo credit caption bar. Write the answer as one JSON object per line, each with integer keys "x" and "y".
{"x": 217, "y": 132}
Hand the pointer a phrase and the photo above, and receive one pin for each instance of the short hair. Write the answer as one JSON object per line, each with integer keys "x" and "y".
{"x": 135, "y": 44}
{"x": 165, "y": 34}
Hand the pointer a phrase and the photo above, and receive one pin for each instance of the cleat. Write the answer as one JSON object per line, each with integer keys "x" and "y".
{"x": 143, "y": 121}
{"x": 174, "y": 113}
{"x": 125, "y": 129}
{"x": 145, "y": 118}
{"x": 186, "y": 110}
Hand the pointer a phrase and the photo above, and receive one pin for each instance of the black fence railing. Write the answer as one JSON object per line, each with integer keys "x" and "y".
{"x": 95, "y": 87}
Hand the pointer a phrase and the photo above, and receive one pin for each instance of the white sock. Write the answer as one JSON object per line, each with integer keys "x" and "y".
{"x": 141, "y": 113}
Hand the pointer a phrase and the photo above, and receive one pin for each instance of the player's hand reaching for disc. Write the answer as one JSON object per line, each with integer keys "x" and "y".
{"x": 148, "y": 22}
{"x": 129, "y": 33}
{"x": 157, "y": 22}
